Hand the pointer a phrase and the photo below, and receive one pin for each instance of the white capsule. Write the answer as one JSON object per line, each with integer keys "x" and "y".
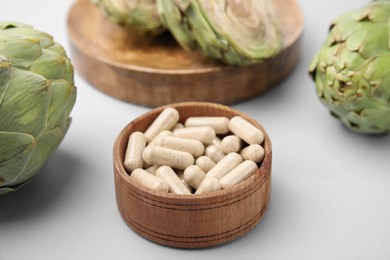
{"x": 135, "y": 147}
{"x": 156, "y": 155}
{"x": 208, "y": 185}
{"x": 192, "y": 146}
{"x": 165, "y": 133}
{"x": 177, "y": 126}
{"x": 205, "y": 134}
{"x": 253, "y": 152}
{"x": 162, "y": 133}
{"x": 152, "y": 169}
{"x": 165, "y": 121}
{"x": 175, "y": 184}
{"x": 205, "y": 163}
{"x": 245, "y": 130}
{"x": 224, "y": 166}
{"x": 180, "y": 174}
{"x": 219, "y": 124}
{"x": 194, "y": 176}
{"x": 239, "y": 174}
{"x": 231, "y": 144}
{"x": 217, "y": 141}
{"x": 215, "y": 153}
{"x": 149, "y": 180}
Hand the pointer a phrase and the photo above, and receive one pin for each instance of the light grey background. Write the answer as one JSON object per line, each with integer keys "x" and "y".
{"x": 330, "y": 187}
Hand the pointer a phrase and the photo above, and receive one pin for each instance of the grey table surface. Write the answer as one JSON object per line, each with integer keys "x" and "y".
{"x": 330, "y": 195}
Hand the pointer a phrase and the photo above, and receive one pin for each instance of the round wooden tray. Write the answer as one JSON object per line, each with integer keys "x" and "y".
{"x": 159, "y": 71}
{"x": 191, "y": 221}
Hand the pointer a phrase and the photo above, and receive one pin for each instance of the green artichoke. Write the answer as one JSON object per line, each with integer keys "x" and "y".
{"x": 233, "y": 31}
{"x": 352, "y": 69}
{"x": 37, "y": 94}
{"x": 139, "y": 16}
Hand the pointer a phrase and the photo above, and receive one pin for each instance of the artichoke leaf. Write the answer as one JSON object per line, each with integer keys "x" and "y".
{"x": 45, "y": 40}
{"x": 377, "y": 12}
{"x": 51, "y": 65}
{"x": 7, "y": 25}
{"x": 46, "y": 144}
{"x": 367, "y": 121}
{"x": 24, "y": 109}
{"x": 72, "y": 100}
{"x": 62, "y": 100}
{"x": 4, "y": 190}
{"x": 356, "y": 40}
{"x": 57, "y": 48}
{"x": 378, "y": 117}
{"x": 353, "y": 61}
{"x": 319, "y": 86}
{"x": 376, "y": 43}
{"x": 341, "y": 31}
{"x": 313, "y": 65}
{"x": 15, "y": 151}
{"x": 378, "y": 68}
{"x": 380, "y": 92}
{"x": 5, "y": 77}
{"x": 20, "y": 51}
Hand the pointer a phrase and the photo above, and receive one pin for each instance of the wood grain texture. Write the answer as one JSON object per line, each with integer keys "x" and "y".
{"x": 191, "y": 221}
{"x": 158, "y": 71}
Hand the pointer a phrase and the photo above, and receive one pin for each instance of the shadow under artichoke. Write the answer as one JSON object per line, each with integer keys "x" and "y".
{"x": 42, "y": 191}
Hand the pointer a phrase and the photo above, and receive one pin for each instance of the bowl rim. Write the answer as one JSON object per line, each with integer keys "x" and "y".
{"x": 261, "y": 175}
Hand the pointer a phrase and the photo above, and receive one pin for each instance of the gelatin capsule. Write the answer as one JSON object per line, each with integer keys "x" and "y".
{"x": 165, "y": 121}
{"x": 231, "y": 144}
{"x": 194, "y": 176}
{"x": 245, "y": 130}
{"x": 224, "y": 166}
{"x": 253, "y": 152}
{"x": 205, "y": 134}
{"x": 194, "y": 147}
{"x": 217, "y": 141}
{"x": 135, "y": 147}
{"x": 177, "y": 126}
{"x": 219, "y": 124}
{"x": 149, "y": 180}
{"x": 175, "y": 184}
{"x": 239, "y": 174}
{"x": 152, "y": 169}
{"x": 180, "y": 174}
{"x": 208, "y": 185}
{"x": 215, "y": 153}
{"x": 156, "y": 155}
{"x": 162, "y": 133}
{"x": 205, "y": 163}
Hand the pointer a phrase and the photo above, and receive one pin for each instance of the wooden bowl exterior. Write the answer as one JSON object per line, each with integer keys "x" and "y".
{"x": 191, "y": 221}
{"x": 158, "y": 71}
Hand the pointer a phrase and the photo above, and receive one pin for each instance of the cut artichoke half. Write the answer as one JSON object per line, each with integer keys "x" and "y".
{"x": 234, "y": 31}
{"x": 172, "y": 14}
{"x": 139, "y": 16}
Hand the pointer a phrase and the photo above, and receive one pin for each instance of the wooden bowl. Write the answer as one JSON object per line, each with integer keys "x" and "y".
{"x": 159, "y": 71}
{"x": 191, "y": 221}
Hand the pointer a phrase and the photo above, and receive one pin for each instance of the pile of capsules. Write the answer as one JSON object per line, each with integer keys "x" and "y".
{"x": 205, "y": 154}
